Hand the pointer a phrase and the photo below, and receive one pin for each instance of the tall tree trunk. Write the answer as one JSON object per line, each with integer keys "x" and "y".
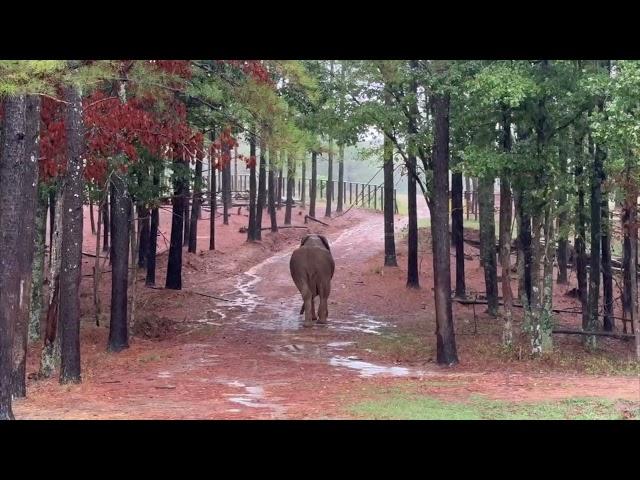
{"x": 50, "y": 355}
{"x": 262, "y": 188}
{"x": 314, "y": 180}
{"x": 290, "y": 184}
{"x": 174, "y": 267}
{"x": 457, "y": 231}
{"x": 72, "y": 221}
{"x": 143, "y": 234}
{"x": 389, "y": 232}
{"x": 195, "y": 209}
{"x": 563, "y": 244}
{"x": 303, "y": 183}
{"x": 97, "y": 304}
{"x": 272, "y": 191}
{"x": 413, "y": 278}
{"x": 52, "y": 216}
{"x": 445, "y": 334}
{"x": 251, "y": 231}
{"x": 37, "y": 277}
{"x": 596, "y": 236}
{"x": 505, "y": 236}
{"x": 153, "y": 234}
{"x": 186, "y": 218}
{"x": 120, "y": 215}
{"x": 226, "y": 185}
{"x": 26, "y": 204}
{"x": 488, "y": 243}
{"x": 329, "y": 189}
{"x": 106, "y": 223}
{"x": 340, "y": 178}
{"x": 279, "y": 181}
{"x": 12, "y": 169}
{"x": 630, "y": 231}
{"x": 212, "y": 197}
{"x": 580, "y": 236}
{"x": 607, "y": 274}
{"x": 91, "y": 218}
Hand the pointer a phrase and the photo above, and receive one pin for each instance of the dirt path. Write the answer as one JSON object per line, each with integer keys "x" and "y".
{"x": 250, "y": 357}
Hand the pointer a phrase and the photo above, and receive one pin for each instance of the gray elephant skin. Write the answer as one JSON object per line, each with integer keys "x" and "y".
{"x": 312, "y": 269}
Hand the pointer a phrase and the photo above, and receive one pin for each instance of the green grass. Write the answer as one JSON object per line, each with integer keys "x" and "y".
{"x": 399, "y": 347}
{"x": 471, "y": 224}
{"x": 406, "y": 406}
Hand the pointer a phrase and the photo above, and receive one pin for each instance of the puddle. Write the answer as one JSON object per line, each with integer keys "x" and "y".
{"x": 253, "y": 398}
{"x": 339, "y": 345}
{"x": 367, "y": 369}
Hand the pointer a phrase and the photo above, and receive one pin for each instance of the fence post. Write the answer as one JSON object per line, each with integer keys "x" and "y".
{"x": 368, "y": 196}
{"x": 375, "y": 197}
{"x": 321, "y": 188}
{"x": 395, "y": 201}
{"x": 356, "y": 193}
{"x": 350, "y": 196}
{"x": 362, "y": 195}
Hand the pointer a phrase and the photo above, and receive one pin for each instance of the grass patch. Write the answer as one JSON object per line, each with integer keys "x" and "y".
{"x": 400, "y": 347}
{"x": 150, "y": 357}
{"x": 404, "y": 406}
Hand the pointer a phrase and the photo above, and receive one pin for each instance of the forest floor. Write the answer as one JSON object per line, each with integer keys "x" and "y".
{"x": 248, "y": 356}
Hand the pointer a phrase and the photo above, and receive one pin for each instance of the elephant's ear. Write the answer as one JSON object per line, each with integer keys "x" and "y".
{"x": 325, "y": 241}
{"x": 304, "y": 239}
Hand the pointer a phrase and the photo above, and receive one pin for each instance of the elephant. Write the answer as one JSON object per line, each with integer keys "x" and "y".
{"x": 312, "y": 268}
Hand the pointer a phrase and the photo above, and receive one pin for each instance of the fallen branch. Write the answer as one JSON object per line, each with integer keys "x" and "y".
{"x": 315, "y": 220}
{"x": 600, "y": 334}
{"x": 209, "y": 296}
{"x": 285, "y": 226}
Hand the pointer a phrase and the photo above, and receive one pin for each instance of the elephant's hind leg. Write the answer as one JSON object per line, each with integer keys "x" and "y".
{"x": 323, "y": 310}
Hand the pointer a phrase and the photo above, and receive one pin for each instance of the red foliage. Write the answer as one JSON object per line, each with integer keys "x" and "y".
{"x": 53, "y": 140}
{"x": 253, "y": 68}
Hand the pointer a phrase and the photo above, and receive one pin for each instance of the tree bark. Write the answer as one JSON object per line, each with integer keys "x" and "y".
{"x": 251, "y": 231}
{"x": 212, "y": 197}
{"x": 120, "y": 215}
{"x": 272, "y": 191}
{"x": 505, "y": 236}
{"x": 106, "y": 223}
{"x": 303, "y": 183}
{"x": 37, "y": 278}
{"x": 174, "y": 267}
{"x": 195, "y": 209}
{"x": 445, "y": 334}
{"x": 153, "y": 234}
{"x": 413, "y": 278}
{"x": 12, "y": 160}
{"x": 488, "y": 243}
{"x": 340, "y": 178}
{"x": 389, "y": 232}
{"x": 314, "y": 179}
{"x": 26, "y": 204}
{"x": 563, "y": 243}
{"x": 186, "y": 224}
{"x": 226, "y": 185}
{"x": 607, "y": 274}
{"x": 457, "y": 231}
{"x": 290, "y": 185}
{"x": 580, "y": 236}
{"x": 329, "y": 189}
{"x": 72, "y": 221}
{"x": 262, "y": 189}
{"x": 596, "y": 236}
{"x": 91, "y": 219}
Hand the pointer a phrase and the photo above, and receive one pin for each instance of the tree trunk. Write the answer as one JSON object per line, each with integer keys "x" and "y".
{"x": 50, "y": 355}
{"x": 272, "y": 191}
{"x": 153, "y": 234}
{"x": 596, "y": 236}
{"x": 186, "y": 224}
{"x": 251, "y": 231}
{"x": 37, "y": 277}
{"x": 445, "y": 334}
{"x": 457, "y": 231}
{"x": 106, "y": 223}
{"x": 226, "y": 185}
{"x": 580, "y": 236}
{"x": 52, "y": 216}
{"x": 340, "y": 178}
{"x": 25, "y": 203}
{"x": 488, "y": 243}
{"x": 72, "y": 221}
{"x": 174, "y": 267}
{"x": 12, "y": 170}
{"x": 389, "y": 233}
{"x": 262, "y": 189}
{"x": 195, "y": 208}
{"x": 91, "y": 219}
{"x": 314, "y": 180}
{"x": 607, "y": 274}
{"x": 120, "y": 215}
{"x": 279, "y": 180}
{"x": 504, "y": 227}
{"x": 563, "y": 243}
{"x": 413, "y": 279}
{"x": 303, "y": 183}
{"x": 329, "y": 189}
{"x": 290, "y": 184}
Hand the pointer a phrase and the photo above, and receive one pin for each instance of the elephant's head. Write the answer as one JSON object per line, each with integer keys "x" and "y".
{"x": 314, "y": 240}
